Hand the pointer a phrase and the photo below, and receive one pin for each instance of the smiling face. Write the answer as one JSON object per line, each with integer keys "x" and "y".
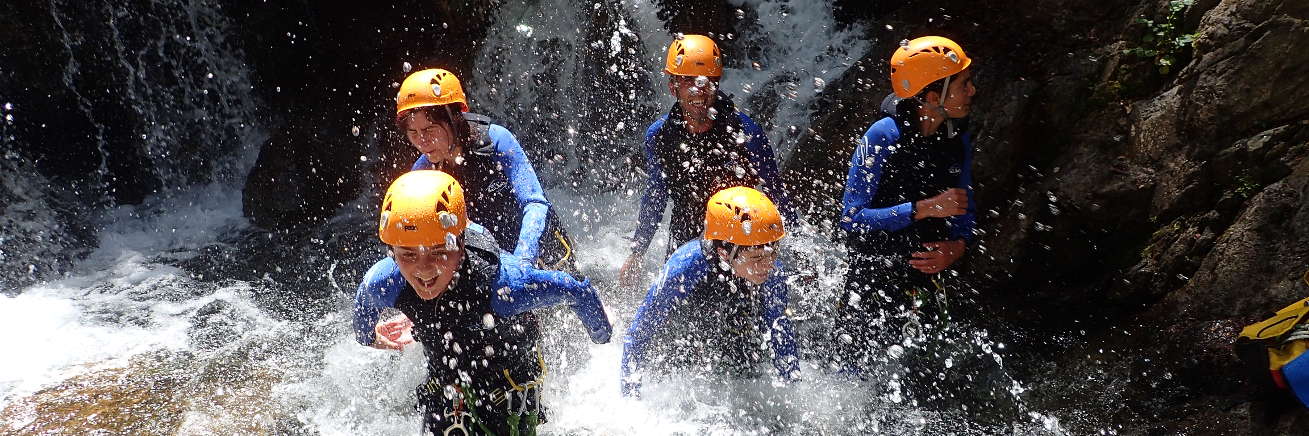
{"x": 429, "y": 269}
{"x": 754, "y": 263}
{"x": 432, "y": 137}
{"x": 695, "y": 95}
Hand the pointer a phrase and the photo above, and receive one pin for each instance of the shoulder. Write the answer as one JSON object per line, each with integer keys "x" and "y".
{"x": 687, "y": 264}
{"x": 656, "y": 127}
{"x": 504, "y": 139}
{"x": 383, "y": 275}
{"x": 751, "y": 128}
{"x": 883, "y": 132}
{"x": 478, "y": 237}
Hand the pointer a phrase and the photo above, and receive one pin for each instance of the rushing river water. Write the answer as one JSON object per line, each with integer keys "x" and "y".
{"x": 165, "y": 329}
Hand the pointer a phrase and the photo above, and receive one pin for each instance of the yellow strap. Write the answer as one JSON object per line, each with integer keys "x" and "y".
{"x": 568, "y": 250}
{"x": 534, "y": 383}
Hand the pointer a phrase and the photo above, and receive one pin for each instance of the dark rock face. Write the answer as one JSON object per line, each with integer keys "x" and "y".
{"x": 326, "y": 70}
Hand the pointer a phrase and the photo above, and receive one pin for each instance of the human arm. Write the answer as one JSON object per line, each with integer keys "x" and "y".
{"x": 378, "y": 290}
{"x": 653, "y": 199}
{"x": 781, "y": 334}
{"x": 527, "y": 191}
{"x": 866, "y": 167}
{"x": 684, "y": 269}
{"x": 961, "y": 226}
{"x": 521, "y": 289}
{"x": 940, "y": 255}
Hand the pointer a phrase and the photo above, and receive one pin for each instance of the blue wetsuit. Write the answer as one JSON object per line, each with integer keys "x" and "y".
{"x": 695, "y": 305}
{"x": 892, "y": 168}
{"x": 504, "y": 194}
{"x": 689, "y": 168}
{"x": 534, "y": 288}
{"x": 480, "y": 336}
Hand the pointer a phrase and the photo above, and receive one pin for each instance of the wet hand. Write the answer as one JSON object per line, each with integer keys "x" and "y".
{"x": 630, "y": 272}
{"x": 394, "y": 333}
{"x": 951, "y": 202}
{"x": 938, "y": 257}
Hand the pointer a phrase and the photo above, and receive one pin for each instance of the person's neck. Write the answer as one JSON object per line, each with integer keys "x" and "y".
{"x": 697, "y": 126}
{"x": 931, "y": 120}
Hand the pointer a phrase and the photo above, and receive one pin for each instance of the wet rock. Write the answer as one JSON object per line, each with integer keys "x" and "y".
{"x": 320, "y": 79}
{"x": 159, "y": 393}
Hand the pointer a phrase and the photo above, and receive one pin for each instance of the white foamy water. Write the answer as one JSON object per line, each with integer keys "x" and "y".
{"x": 136, "y": 293}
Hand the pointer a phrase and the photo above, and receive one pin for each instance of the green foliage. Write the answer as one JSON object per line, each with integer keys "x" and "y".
{"x": 1246, "y": 186}
{"x": 1164, "y": 40}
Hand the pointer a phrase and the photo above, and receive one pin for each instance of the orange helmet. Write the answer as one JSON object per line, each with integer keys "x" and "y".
{"x": 742, "y": 216}
{"x": 694, "y": 55}
{"x": 431, "y": 87}
{"x": 923, "y": 61}
{"x": 423, "y": 208}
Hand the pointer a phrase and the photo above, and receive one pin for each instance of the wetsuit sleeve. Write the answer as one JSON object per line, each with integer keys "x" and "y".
{"x": 961, "y": 226}
{"x": 379, "y": 289}
{"x": 866, "y": 166}
{"x": 781, "y": 334}
{"x": 761, "y": 156}
{"x": 422, "y": 163}
{"x": 527, "y": 190}
{"x": 683, "y": 271}
{"x": 521, "y": 289}
{"x": 653, "y": 198}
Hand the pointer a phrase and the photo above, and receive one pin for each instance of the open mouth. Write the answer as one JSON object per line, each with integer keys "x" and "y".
{"x": 427, "y": 283}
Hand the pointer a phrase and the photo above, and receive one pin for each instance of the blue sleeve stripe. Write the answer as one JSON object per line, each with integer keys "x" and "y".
{"x": 781, "y": 334}
{"x": 655, "y": 195}
{"x": 379, "y": 289}
{"x": 422, "y": 163}
{"x": 961, "y": 227}
{"x": 866, "y": 165}
{"x": 683, "y": 271}
{"x": 526, "y": 188}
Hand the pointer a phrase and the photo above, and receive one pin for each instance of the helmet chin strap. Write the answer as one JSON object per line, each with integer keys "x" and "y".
{"x": 949, "y": 123}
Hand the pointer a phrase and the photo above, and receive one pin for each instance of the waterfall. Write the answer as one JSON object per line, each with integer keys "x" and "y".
{"x": 166, "y": 298}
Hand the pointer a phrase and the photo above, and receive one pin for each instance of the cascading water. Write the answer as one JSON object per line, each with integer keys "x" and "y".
{"x": 172, "y": 330}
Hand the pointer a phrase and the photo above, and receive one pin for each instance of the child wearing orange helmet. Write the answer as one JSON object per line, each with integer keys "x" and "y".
{"x": 722, "y": 294}
{"x": 470, "y": 305}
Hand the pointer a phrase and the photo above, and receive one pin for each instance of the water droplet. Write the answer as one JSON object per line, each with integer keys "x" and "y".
{"x": 488, "y": 322}
{"x": 209, "y": 76}
{"x": 279, "y": 89}
{"x": 408, "y": 66}
{"x": 904, "y": 43}
{"x": 445, "y": 25}
{"x": 746, "y": 227}
{"x": 740, "y": 14}
{"x": 888, "y": 27}
{"x": 363, "y": 158}
{"x": 819, "y": 83}
{"x": 524, "y": 30}
{"x": 9, "y": 106}
{"x": 701, "y": 81}
{"x": 713, "y": 113}
{"x": 354, "y": 130}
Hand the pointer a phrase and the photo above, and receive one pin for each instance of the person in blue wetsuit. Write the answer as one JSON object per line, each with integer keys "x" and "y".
{"x": 719, "y": 307}
{"x": 504, "y": 194}
{"x": 470, "y": 305}
{"x": 702, "y": 145}
{"x": 908, "y": 211}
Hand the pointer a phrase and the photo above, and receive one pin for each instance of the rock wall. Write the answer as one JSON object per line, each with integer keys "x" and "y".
{"x": 1154, "y": 209}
